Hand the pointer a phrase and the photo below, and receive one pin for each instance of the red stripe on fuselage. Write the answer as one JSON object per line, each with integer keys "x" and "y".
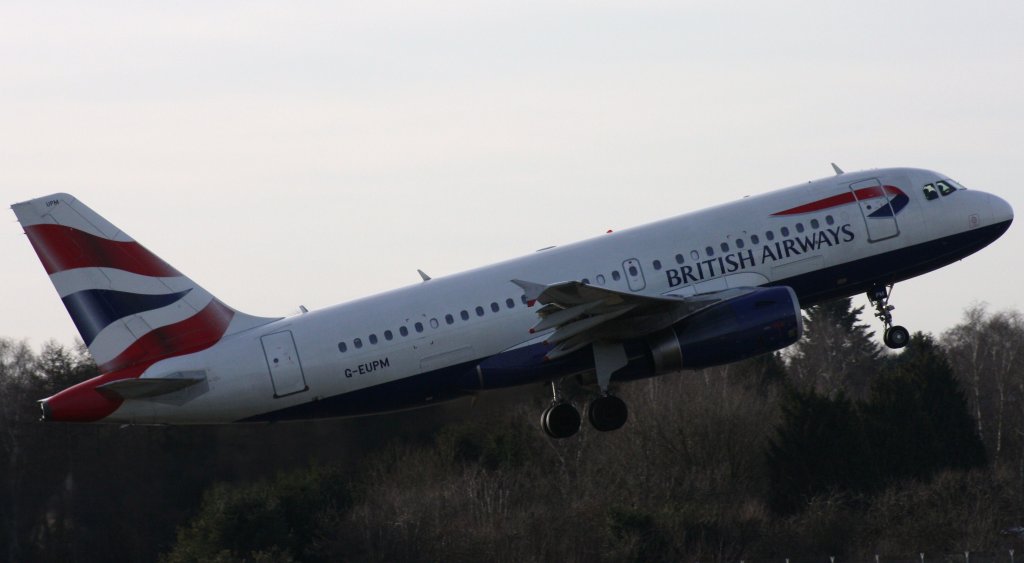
{"x": 65, "y": 248}
{"x": 837, "y": 200}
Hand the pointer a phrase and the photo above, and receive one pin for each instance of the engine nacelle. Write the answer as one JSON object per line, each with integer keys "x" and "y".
{"x": 764, "y": 320}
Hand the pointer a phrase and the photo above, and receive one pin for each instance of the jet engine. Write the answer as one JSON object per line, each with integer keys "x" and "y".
{"x": 765, "y": 320}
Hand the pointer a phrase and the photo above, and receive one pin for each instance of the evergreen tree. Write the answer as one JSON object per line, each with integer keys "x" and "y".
{"x": 837, "y": 352}
{"x": 819, "y": 448}
{"x": 917, "y": 416}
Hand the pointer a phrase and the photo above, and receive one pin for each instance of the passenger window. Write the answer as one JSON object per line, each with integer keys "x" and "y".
{"x": 464, "y": 314}
{"x": 657, "y": 265}
{"x": 584, "y": 281}
{"x": 600, "y": 279}
{"x": 358, "y": 343}
{"x": 769, "y": 235}
{"x": 633, "y": 271}
{"x": 373, "y": 339}
{"x": 740, "y": 243}
{"x": 616, "y": 275}
{"x": 403, "y": 331}
{"x": 524, "y": 299}
{"x": 495, "y": 307}
{"x": 510, "y": 303}
{"x": 418, "y": 326}
{"x": 695, "y": 255}
{"x": 388, "y": 335}
{"x": 679, "y": 258}
{"x": 725, "y": 247}
{"x": 754, "y": 239}
{"x": 434, "y": 323}
{"x": 815, "y": 224}
{"x": 929, "y": 192}
{"x": 449, "y": 319}
{"x": 799, "y": 227}
{"x": 829, "y": 220}
{"x": 709, "y": 251}
{"x": 479, "y": 311}
{"x": 784, "y": 231}
{"x": 342, "y": 347}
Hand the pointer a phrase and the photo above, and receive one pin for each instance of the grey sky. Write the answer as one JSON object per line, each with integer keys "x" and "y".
{"x": 314, "y": 152}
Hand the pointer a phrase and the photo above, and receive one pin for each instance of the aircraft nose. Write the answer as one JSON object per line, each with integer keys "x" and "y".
{"x": 1001, "y": 210}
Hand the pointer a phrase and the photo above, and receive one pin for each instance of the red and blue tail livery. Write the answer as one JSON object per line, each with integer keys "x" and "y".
{"x": 130, "y": 307}
{"x": 696, "y": 290}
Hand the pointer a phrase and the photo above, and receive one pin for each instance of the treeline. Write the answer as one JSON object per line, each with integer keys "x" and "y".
{"x": 834, "y": 448}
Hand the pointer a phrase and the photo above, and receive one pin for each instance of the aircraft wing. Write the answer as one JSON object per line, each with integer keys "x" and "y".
{"x": 582, "y": 314}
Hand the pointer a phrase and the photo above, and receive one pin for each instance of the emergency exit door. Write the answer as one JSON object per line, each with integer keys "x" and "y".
{"x": 283, "y": 363}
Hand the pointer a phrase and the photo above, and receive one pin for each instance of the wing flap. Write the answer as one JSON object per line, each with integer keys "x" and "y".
{"x": 580, "y": 314}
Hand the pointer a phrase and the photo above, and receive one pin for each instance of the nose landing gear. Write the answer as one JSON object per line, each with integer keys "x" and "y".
{"x": 894, "y": 337}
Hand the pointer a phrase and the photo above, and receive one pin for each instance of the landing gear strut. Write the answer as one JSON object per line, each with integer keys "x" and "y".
{"x": 606, "y": 412}
{"x": 895, "y": 337}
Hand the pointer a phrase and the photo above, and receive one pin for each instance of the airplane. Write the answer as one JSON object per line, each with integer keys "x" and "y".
{"x": 701, "y": 289}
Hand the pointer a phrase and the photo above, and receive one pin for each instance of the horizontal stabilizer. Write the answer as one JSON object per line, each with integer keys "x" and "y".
{"x": 144, "y": 388}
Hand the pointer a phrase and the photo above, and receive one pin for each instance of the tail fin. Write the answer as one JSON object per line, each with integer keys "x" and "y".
{"x": 130, "y": 306}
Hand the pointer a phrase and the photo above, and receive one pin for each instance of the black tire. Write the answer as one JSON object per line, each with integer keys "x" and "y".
{"x": 896, "y": 337}
{"x": 561, "y": 420}
{"x": 607, "y": 413}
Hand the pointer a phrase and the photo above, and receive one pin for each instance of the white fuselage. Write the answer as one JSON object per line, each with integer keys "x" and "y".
{"x": 406, "y": 339}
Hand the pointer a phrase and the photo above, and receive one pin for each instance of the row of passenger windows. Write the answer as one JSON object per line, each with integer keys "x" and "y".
{"x": 725, "y": 247}
{"x": 616, "y": 275}
{"x": 434, "y": 323}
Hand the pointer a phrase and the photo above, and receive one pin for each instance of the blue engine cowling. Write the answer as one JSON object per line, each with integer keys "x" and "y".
{"x": 765, "y": 320}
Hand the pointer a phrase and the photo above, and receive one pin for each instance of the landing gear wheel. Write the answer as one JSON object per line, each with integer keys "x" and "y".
{"x": 607, "y": 413}
{"x": 896, "y": 337}
{"x": 560, "y": 420}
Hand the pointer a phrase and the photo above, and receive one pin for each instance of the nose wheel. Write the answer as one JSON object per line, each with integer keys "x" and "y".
{"x": 894, "y": 337}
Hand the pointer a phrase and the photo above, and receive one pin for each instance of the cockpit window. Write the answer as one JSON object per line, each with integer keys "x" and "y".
{"x": 930, "y": 192}
{"x": 944, "y": 187}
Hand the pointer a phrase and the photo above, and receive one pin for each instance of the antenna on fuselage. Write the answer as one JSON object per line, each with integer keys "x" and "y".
{"x": 423, "y": 275}
{"x": 839, "y": 171}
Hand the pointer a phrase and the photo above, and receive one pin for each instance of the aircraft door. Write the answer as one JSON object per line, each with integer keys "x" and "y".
{"x": 634, "y": 275}
{"x": 283, "y": 362}
{"x": 876, "y": 208}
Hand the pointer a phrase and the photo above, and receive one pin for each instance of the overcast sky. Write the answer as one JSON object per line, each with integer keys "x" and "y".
{"x": 309, "y": 153}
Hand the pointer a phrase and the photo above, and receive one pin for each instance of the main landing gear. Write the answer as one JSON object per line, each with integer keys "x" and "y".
{"x": 895, "y": 337}
{"x": 605, "y": 412}
{"x": 562, "y": 420}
